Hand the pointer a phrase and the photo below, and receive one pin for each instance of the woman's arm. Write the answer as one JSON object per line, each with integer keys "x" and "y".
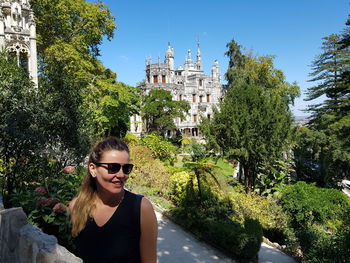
{"x": 149, "y": 232}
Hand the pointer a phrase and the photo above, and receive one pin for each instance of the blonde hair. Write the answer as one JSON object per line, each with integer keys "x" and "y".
{"x": 85, "y": 201}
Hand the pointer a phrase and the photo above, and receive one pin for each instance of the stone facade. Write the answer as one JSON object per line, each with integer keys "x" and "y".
{"x": 21, "y": 242}
{"x": 185, "y": 83}
{"x": 18, "y": 34}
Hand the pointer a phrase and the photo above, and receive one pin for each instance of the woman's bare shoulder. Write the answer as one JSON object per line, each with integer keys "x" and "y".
{"x": 146, "y": 205}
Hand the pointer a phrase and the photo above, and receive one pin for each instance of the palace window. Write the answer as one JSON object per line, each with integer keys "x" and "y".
{"x": 23, "y": 61}
{"x": 155, "y": 78}
{"x": 193, "y": 97}
{"x": 200, "y": 82}
{"x": 201, "y": 98}
{"x": 180, "y": 97}
{"x": 194, "y": 117}
{"x": 163, "y": 79}
{"x": 208, "y": 97}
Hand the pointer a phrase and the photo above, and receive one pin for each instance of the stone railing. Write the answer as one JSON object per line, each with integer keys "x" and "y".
{"x": 21, "y": 242}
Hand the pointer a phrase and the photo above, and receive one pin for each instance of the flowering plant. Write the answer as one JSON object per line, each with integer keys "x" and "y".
{"x": 46, "y": 205}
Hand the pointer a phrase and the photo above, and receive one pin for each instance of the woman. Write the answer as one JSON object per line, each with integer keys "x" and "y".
{"x": 109, "y": 223}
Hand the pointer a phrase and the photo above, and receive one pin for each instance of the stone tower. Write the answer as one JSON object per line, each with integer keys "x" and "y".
{"x": 18, "y": 34}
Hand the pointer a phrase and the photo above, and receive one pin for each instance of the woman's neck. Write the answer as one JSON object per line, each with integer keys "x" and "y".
{"x": 111, "y": 200}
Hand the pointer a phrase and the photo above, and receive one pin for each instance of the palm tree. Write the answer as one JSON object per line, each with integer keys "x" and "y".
{"x": 200, "y": 166}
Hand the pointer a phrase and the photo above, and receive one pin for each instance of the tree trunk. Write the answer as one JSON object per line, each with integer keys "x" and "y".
{"x": 199, "y": 184}
{"x": 248, "y": 178}
{"x": 240, "y": 173}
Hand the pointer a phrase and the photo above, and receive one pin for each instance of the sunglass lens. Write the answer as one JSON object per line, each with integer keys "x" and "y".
{"x": 113, "y": 168}
{"x": 127, "y": 168}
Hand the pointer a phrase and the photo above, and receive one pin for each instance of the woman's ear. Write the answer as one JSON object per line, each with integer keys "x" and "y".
{"x": 92, "y": 169}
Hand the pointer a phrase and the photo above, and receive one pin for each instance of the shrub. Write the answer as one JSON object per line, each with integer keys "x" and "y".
{"x": 161, "y": 148}
{"x": 149, "y": 174}
{"x": 209, "y": 217}
{"x": 307, "y": 205}
{"x": 320, "y": 218}
{"x": 319, "y": 246}
{"x": 179, "y": 181}
{"x": 130, "y": 138}
{"x": 45, "y": 203}
{"x": 273, "y": 219}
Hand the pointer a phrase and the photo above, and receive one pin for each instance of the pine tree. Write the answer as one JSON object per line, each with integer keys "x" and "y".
{"x": 328, "y": 69}
{"x": 330, "y": 118}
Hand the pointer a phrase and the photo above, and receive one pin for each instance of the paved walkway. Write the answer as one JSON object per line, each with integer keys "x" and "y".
{"x": 177, "y": 246}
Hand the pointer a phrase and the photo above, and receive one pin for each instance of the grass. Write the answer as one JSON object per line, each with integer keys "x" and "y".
{"x": 226, "y": 169}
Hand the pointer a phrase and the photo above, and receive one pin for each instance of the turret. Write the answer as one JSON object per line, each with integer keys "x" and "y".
{"x": 215, "y": 72}
{"x": 169, "y": 57}
{"x": 199, "y": 59}
{"x": 188, "y": 61}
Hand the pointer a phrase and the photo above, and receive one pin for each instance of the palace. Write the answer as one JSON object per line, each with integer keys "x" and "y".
{"x": 185, "y": 83}
{"x": 18, "y": 34}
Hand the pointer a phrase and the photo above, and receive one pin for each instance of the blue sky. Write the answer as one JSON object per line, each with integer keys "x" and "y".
{"x": 292, "y": 30}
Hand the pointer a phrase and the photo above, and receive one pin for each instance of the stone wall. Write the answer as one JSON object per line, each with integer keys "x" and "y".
{"x": 21, "y": 242}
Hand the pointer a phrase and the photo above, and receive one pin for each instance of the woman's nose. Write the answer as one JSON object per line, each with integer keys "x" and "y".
{"x": 120, "y": 174}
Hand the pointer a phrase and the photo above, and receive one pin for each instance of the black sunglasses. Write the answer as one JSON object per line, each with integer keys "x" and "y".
{"x": 114, "y": 168}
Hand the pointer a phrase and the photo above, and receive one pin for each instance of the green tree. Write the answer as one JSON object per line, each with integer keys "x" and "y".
{"x": 253, "y": 123}
{"x": 109, "y": 105}
{"x": 345, "y": 44}
{"x": 21, "y": 138}
{"x": 69, "y": 33}
{"x": 159, "y": 111}
{"x": 323, "y": 149}
{"x": 327, "y": 71}
{"x": 331, "y": 118}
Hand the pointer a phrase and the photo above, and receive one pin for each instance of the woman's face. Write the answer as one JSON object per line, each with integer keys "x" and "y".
{"x": 110, "y": 182}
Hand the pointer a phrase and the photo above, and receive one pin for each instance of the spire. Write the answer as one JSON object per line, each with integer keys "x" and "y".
{"x": 188, "y": 62}
{"x": 199, "y": 58}
{"x": 189, "y": 56}
{"x": 169, "y": 52}
{"x": 169, "y": 57}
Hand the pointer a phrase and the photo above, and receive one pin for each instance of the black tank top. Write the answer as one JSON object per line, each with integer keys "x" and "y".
{"x": 118, "y": 240}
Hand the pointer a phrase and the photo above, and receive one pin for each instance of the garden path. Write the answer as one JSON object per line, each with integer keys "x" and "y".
{"x": 177, "y": 246}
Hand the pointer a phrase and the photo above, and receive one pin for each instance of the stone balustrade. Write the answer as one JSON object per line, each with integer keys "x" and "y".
{"x": 21, "y": 242}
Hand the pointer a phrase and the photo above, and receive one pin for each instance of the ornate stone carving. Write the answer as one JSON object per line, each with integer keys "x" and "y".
{"x": 6, "y": 11}
{"x": 18, "y": 48}
{"x": 19, "y": 35}
{"x": 25, "y": 13}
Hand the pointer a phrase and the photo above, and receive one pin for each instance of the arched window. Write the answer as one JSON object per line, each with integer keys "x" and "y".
{"x": 21, "y": 52}
{"x": 23, "y": 60}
